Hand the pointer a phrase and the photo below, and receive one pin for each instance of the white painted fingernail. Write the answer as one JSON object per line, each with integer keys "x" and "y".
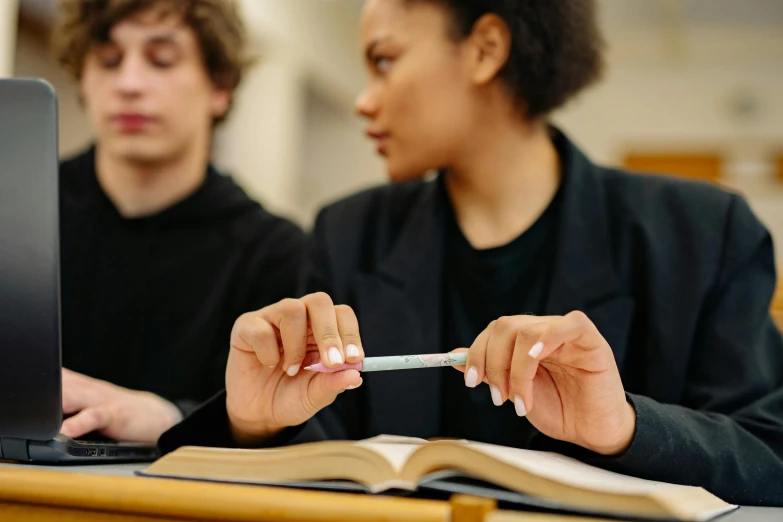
{"x": 334, "y": 355}
{"x": 352, "y": 350}
{"x": 352, "y": 387}
{"x": 471, "y": 378}
{"x": 293, "y": 369}
{"x": 536, "y": 350}
{"x": 497, "y": 398}
{"x": 519, "y": 405}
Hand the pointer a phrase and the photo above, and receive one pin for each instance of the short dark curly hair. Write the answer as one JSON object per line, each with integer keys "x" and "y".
{"x": 217, "y": 24}
{"x": 556, "y": 47}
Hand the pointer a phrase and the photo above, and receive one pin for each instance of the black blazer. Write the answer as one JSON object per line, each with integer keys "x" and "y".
{"x": 676, "y": 275}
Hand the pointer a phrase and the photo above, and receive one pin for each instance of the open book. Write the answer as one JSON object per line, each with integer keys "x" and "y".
{"x": 384, "y": 463}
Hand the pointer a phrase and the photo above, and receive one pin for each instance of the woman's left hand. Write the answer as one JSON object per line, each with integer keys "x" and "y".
{"x": 560, "y": 372}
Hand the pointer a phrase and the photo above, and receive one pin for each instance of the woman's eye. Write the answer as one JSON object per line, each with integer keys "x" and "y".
{"x": 382, "y": 64}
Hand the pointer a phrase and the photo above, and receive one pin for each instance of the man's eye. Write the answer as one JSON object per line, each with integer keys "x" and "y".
{"x": 109, "y": 59}
{"x": 163, "y": 58}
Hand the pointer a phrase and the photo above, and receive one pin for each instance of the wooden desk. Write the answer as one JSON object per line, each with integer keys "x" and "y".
{"x": 112, "y": 493}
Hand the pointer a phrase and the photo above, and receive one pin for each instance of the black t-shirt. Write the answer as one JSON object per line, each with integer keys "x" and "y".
{"x": 481, "y": 286}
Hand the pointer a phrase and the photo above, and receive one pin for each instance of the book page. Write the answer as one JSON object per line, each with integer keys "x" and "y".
{"x": 567, "y": 470}
{"x": 397, "y": 450}
{"x": 396, "y": 439}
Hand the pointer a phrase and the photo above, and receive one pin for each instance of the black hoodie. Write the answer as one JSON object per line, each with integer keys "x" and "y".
{"x": 148, "y": 303}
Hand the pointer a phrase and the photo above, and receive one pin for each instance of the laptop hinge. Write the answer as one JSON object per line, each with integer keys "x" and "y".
{"x": 14, "y": 449}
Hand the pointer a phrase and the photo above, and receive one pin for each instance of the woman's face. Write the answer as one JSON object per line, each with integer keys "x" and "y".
{"x": 419, "y": 97}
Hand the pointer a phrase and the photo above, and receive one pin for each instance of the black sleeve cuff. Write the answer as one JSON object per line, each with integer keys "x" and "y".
{"x": 645, "y": 446}
{"x": 661, "y": 440}
{"x": 208, "y": 426}
{"x": 646, "y": 456}
{"x": 186, "y": 406}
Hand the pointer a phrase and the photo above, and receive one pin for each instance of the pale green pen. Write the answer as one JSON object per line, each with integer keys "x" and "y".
{"x": 397, "y": 362}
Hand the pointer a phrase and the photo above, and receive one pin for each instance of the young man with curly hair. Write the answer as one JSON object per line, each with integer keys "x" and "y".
{"x": 160, "y": 251}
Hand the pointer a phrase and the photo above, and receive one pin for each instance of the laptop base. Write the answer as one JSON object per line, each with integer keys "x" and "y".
{"x": 63, "y": 449}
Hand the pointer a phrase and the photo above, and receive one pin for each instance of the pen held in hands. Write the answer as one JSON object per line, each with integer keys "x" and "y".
{"x": 396, "y": 362}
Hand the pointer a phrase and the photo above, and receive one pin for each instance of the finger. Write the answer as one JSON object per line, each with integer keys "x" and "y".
{"x": 348, "y": 327}
{"x": 500, "y": 349}
{"x": 477, "y": 355}
{"x": 70, "y": 377}
{"x": 463, "y": 367}
{"x": 78, "y": 392}
{"x": 87, "y": 421}
{"x": 324, "y": 388}
{"x": 476, "y": 361}
{"x": 574, "y": 329}
{"x": 252, "y": 333}
{"x": 460, "y": 367}
{"x": 74, "y": 399}
{"x": 523, "y": 371}
{"x": 290, "y": 318}
{"x": 323, "y": 320}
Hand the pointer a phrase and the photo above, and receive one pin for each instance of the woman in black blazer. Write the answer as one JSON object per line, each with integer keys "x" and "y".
{"x": 618, "y": 318}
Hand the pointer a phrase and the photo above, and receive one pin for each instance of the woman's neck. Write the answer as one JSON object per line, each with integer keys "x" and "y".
{"x": 503, "y": 182}
{"x": 141, "y": 189}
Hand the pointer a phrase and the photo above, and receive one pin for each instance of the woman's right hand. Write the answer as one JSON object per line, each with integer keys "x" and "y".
{"x": 266, "y": 388}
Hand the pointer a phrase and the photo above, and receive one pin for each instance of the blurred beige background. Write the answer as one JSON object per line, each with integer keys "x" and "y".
{"x": 686, "y": 77}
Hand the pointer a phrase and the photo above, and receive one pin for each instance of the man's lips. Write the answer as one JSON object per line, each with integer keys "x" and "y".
{"x": 132, "y": 122}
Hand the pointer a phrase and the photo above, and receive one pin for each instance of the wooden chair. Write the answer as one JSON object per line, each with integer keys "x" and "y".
{"x": 702, "y": 166}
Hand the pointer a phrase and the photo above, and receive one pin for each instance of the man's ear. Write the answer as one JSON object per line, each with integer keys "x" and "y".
{"x": 490, "y": 46}
{"x": 80, "y": 94}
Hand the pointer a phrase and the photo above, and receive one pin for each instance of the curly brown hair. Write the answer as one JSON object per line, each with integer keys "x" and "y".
{"x": 217, "y": 24}
{"x": 556, "y": 46}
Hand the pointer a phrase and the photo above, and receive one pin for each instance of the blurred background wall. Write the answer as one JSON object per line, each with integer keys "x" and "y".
{"x": 696, "y": 86}
{"x": 8, "y": 23}
{"x": 693, "y": 86}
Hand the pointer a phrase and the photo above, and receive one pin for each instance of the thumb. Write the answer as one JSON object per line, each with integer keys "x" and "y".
{"x": 324, "y": 388}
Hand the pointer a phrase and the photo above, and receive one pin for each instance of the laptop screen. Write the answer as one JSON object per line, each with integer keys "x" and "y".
{"x": 30, "y": 380}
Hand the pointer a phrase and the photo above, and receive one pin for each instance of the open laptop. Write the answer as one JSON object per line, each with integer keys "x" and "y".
{"x": 30, "y": 362}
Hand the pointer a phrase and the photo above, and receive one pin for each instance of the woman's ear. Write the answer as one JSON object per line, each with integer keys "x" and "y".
{"x": 490, "y": 43}
{"x": 221, "y": 101}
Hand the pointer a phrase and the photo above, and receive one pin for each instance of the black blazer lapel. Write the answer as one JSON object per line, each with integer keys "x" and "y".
{"x": 400, "y": 304}
{"x": 399, "y": 309}
{"x": 584, "y": 276}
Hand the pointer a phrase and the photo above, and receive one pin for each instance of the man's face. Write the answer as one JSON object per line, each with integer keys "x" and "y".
{"x": 147, "y": 92}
